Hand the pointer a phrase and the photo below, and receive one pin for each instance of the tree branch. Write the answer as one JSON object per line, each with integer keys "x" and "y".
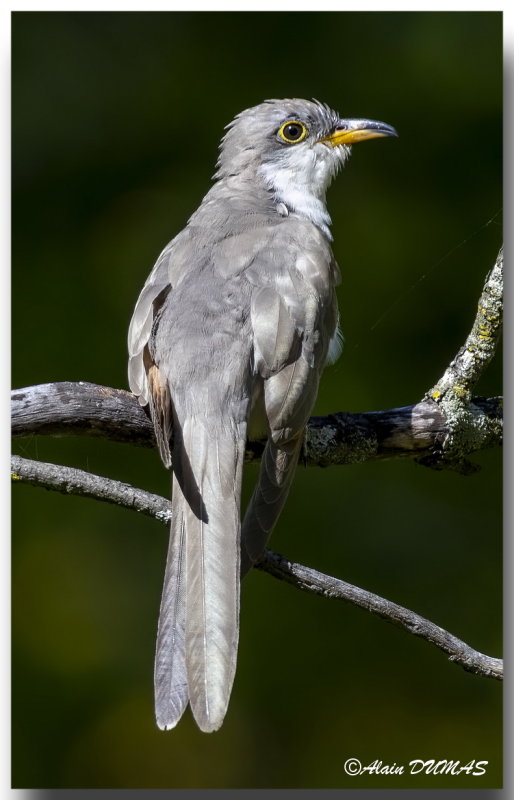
{"x": 476, "y": 354}
{"x": 83, "y": 408}
{"x": 309, "y": 580}
{"x": 75, "y": 481}
{"x": 440, "y": 432}
{"x": 452, "y": 393}
{"x": 69, "y": 480}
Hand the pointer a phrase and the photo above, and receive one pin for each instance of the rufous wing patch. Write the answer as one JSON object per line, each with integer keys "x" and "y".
{"x": 160, "y": 407}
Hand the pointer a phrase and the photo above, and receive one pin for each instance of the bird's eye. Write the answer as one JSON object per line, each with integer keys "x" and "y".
{"x": 292, "y": 131}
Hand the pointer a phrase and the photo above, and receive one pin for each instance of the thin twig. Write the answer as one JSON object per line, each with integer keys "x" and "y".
{"x": 78, "y": 482}
{"x": 69, "y": 480}
{"x": 309, "y": 580}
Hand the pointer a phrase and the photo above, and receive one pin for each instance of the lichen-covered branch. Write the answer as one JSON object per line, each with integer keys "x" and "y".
{"x": 452, "y": 394}
{"x": 463, "y": 372}
{"x": 78, "y": 482}
{"x": 342, "y": 438}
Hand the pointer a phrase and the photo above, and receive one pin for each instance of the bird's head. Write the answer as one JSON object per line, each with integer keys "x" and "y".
{"x": 295, "y": 146}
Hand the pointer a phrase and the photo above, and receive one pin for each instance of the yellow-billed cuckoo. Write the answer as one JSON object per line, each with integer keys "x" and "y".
{"x": 228, "y": 340}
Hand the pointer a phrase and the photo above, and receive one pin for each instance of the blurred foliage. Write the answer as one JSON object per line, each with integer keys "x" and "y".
{"x": 116, "y": 120}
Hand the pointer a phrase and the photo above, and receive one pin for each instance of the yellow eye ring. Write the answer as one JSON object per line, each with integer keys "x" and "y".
{"x": 292, "y": 131}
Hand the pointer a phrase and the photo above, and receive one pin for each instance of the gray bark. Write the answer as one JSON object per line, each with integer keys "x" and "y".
{"x": 416, "y": 431}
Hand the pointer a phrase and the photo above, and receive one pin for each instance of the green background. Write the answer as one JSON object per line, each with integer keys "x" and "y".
{"x": 116, "y": 122}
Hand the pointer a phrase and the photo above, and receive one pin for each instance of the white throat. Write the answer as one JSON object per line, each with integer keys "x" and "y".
{"x": 300, "y": 178}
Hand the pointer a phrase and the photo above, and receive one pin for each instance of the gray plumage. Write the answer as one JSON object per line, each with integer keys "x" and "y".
{"x": 228, "y": 339}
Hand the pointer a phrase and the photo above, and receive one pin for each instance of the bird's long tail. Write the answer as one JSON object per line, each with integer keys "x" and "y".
{"x": 199, "y": 618}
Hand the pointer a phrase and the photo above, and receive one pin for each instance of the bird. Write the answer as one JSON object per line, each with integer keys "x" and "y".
{"x": 227, "y": 342}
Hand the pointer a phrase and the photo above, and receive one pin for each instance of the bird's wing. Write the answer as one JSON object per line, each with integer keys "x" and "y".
{"x": 294, "y": 318}
{"x": 146, "y": 380}
{"x": 147, "y": 307}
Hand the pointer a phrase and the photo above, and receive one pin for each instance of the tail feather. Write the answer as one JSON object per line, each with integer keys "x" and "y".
{"x": 199, "y": 624}
{"x": 212, "y": 620}
{"x": 213, "y": 566}
{"x": 170, "y": 677}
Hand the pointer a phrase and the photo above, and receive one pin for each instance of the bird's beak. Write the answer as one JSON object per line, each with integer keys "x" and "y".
{"x": 349, "y": 131}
